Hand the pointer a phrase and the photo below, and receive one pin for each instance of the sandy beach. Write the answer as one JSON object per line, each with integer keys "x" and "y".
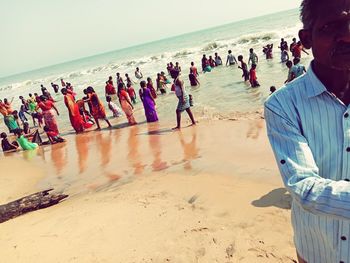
{"x": 210, "y": 193}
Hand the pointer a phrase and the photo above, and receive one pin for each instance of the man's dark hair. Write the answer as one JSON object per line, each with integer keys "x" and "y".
{"x": 309, "y": 11}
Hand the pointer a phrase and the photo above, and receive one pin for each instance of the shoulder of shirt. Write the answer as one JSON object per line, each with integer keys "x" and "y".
{"x": 288, "y": 92}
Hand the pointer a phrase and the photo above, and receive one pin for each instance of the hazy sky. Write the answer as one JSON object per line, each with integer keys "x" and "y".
{"x": 38, "y": 33}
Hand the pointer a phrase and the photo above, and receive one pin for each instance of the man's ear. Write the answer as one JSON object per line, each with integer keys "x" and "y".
{"x": 305, "y": 38}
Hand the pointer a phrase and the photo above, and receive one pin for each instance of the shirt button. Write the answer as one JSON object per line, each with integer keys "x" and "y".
{"x": 283, "y": 161}
{"x": 343, "y": 238}
{"x": 348, "y": 149}
{"x": 346, "y": 115}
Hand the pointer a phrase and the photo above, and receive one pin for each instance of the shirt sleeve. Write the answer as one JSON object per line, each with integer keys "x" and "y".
{"x": 299, "y": 170}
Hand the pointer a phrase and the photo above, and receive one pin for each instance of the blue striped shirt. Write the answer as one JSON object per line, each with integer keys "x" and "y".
{"x": 309, "y": 131}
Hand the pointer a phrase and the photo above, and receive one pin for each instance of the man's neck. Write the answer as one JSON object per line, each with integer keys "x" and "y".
{"x": 336, "y": 81}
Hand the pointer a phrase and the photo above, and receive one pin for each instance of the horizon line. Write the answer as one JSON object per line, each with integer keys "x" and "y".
{"x": 138, "y": 45}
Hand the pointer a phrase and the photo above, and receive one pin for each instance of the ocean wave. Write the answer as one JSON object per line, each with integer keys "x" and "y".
{"x": 255, "y": 39}
{"x": 210, "y": 46}
{"x": 182, "y": 54}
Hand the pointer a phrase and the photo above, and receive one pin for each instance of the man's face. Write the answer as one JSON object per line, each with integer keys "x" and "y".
{"x": 329, "y": 37}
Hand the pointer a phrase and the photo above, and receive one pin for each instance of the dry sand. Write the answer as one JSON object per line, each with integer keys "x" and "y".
{"x": 210, "y": 193}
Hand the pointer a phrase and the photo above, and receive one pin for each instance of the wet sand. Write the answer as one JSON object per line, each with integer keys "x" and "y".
{"x": 210, "y": 193}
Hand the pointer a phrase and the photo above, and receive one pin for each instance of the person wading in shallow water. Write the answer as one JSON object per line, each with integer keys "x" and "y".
{"x": 308, "y": 126}
{"x": 184, "y": 100}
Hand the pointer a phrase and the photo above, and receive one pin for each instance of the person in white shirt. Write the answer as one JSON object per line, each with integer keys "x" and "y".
{"x": 231, "y": 59}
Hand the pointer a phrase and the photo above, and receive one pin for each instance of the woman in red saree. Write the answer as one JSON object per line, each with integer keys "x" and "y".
{"x": 126, "y": 105}
{"x": 97, "y": 108}
{"x": 74, "y": 115}
{"x": 48, "y": 108}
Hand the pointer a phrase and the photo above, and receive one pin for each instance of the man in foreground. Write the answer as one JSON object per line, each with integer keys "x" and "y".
{"x": 308, "y": 124}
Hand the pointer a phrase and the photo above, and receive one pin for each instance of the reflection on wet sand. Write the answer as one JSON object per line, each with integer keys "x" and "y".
{"x": 29, "y": 155}
{"x": 190, "y": 149}
{"x": 255, "y": 128}
{"x": 59, "y": 156}
{"x": 81, "y": 144}
{"x": 133, "y": 155}
{"x": 156, "y": 148}
{"x": 104, "y": 145}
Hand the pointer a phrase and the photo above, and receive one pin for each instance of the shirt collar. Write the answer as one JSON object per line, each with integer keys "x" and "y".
{"x": 316, "y": 88}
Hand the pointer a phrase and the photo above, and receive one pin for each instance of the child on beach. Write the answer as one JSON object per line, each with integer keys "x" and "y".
{"x": 6, "y": 145}
{"x": 117, "y": 112}
{"x": 252, "y": 77}
{"x": 131, "y": 92}
{"x": 244, "y": 68}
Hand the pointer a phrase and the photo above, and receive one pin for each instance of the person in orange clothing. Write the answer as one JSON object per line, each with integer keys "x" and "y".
{"x": 97, "y": 108}
{"x": 252, "y": 77}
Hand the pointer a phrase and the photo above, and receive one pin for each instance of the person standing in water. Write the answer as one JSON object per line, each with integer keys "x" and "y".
{"x": 184, "y": 100}
{"x": 218, "y": 60}
{"x": 244, "y": 68}
{"x": 97, "y": 108}
{"x": 193, "y": 69}
{"x": 148, "y": 102}
{"x": 231, "y": 59}
{"x": 138, "y": 73}
{"x": 253, "y": 58}
{"x": 253, "y": 78}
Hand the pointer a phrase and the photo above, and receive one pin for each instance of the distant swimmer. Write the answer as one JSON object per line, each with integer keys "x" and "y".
{"x": 272, "y": 89}
{"x": 253, "y": 57}
{"x": 267, "y": 50}
{"x": 283, "y": 45}
{"x": 55, "y": 87}
{"x": 231, "y": 59}
{"x": 212, "y": 63}
{"x": 177, "y": 67}
{"x": 244, "y": 68}
{"x": 63, "y": 84}
{"x": 292, "y": 45}
{"x": 205, "y": 62}
{"x": 218, "y": 60}
{"x": 128, "y": 79}
{"x": 138, "y": 73}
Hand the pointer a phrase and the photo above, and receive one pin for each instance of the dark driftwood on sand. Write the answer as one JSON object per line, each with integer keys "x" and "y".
{"x": 29, "y": 203}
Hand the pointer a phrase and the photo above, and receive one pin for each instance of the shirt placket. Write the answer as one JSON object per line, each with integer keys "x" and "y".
{"x": 344, "y": 226}
{"x": 343, "y": 248}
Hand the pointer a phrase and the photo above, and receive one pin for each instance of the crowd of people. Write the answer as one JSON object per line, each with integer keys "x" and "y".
{"x": 120, "y": 95}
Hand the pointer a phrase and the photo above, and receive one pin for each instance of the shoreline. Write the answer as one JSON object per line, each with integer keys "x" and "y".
{"x": 173, "y": 199}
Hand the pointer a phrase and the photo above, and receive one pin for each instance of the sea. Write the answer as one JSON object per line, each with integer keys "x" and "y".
{"x": 222, "y": 94}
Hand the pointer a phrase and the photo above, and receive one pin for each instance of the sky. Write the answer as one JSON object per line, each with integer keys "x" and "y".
{"x": 40, "y": 33}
